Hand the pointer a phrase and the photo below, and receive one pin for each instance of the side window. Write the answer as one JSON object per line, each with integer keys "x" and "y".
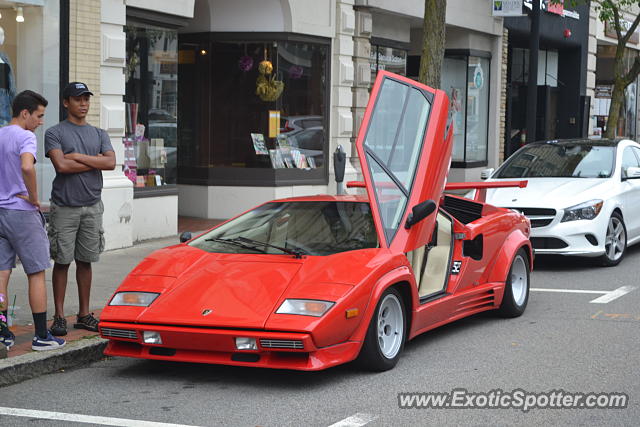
{"x": 629, "y": 159}
{"x": 393, "y": 145}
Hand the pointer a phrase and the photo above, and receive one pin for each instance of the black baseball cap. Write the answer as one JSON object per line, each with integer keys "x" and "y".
{"x": 75, "y": 89}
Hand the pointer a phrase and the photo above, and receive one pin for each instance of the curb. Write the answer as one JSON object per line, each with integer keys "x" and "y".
{"x": 31, "y": 365}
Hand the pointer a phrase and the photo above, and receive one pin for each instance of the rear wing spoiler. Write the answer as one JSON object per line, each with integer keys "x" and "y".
{"x": 481, "y": 187}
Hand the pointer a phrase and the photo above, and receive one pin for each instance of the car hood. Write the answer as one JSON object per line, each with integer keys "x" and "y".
{"x": 241, "y": 290}
{"x": 558, "y": 193}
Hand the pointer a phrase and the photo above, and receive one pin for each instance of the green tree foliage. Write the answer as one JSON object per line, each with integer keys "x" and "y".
{"x": 612, "y": 12}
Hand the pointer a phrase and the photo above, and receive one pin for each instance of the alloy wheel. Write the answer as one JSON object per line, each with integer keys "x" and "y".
{"x": 519, "y": 280}
{"x": 616, "y": 239}
{"x": 390, "y": 326}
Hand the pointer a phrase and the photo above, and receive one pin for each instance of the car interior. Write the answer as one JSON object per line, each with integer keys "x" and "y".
{"x": 431, "y": 263}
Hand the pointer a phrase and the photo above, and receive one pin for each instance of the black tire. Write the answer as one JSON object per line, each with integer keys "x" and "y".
{"x": 514, "y": 306}
{"x": 372, "y": 356}
{"x": 611, "y": 259}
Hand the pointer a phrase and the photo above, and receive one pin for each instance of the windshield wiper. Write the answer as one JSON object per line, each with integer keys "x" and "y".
{"x": 234, "y": 242}
{"x": 295, "y": 252}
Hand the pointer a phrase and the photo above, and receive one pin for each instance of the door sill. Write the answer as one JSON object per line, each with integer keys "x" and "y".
{"x": 432, "y": 297}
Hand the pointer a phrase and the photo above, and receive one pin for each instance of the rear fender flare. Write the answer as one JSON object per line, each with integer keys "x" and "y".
{"x": 512, "y": 244}
{"x": 397, "y": 275}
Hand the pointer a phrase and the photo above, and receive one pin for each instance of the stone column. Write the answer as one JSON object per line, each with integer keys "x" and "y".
{"x": 592, "y": 52}
{"x": 503, "y": 94}
{"x": 342, "y": 82}
{"x": 362, "y": 65}
{"x": 117, "y": 194}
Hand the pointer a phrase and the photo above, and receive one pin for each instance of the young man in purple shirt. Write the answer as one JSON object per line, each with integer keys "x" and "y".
{"x": 22, "y": 230}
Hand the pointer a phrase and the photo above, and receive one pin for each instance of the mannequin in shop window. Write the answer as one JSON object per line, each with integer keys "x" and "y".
{"x": 7, "y": 84}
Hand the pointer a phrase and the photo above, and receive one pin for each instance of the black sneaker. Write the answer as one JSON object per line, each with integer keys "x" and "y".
{"x": 87, "y": 322}
{"x": 59, "y": 326}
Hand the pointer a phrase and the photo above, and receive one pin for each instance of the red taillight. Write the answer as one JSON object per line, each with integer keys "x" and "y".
{"x": 286, "y": 127}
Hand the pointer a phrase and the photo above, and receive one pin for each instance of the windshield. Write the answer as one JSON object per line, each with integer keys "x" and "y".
{"x": 308, "y": 228}
{"x": 560, "y": 160}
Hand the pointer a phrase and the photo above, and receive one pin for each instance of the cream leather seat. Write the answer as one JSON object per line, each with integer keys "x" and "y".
{"x": 432, "y": 273}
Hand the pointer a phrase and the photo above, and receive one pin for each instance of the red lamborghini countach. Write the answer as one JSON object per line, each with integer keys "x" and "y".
{"x": 312, "y": 282}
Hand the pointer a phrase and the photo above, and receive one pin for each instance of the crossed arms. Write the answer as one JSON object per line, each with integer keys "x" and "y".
{"x": 76, "y": 162}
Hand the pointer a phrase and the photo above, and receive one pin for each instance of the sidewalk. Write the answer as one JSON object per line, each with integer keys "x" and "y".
{"x": 82, "y": 346}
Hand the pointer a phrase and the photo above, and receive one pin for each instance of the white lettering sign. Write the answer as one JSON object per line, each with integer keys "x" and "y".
{"x": 507, "y": 7}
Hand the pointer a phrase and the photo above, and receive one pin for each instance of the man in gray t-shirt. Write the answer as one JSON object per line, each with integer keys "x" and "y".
{"x": 79, "y": 153}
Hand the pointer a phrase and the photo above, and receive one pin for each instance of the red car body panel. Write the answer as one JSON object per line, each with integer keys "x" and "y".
{"x": 207, "y": 300}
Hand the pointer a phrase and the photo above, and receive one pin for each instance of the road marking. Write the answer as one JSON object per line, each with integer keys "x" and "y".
{"x": 569, "y": 291}
{"x": 606, "y": 296}
{"x": 356, "y": 420}
{"x": 620, "y": 317}
{"x": 79, "y": 418}
{"x": 615, "y": 294}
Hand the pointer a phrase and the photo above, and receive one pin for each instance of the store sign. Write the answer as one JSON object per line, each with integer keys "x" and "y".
{"x": 610, "y": 31}
{"x": 556, "y": 8}
{"x": 507, "y": 7}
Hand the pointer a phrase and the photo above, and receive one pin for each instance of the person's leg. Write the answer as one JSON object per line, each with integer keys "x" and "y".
{"x": 7, "y": 263}
{"x": 32, "y": 246}
{"x": 63, "y": 229}
{"x": 89, "y": 245}
{"x": 4, "y": 281}
{"x": 83, "y": 277}
{"x": 43, "y": 339}
{"x": 38, "y": 303}
{"x": 4, "y": 304}
{"x": 59, "y": 281}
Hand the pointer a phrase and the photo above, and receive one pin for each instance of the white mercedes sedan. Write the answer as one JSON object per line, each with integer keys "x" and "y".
{"x": 583, "y": 196}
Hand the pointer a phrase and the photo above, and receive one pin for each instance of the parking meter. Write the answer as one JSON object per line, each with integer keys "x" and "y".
{"x": 339, "y": 164}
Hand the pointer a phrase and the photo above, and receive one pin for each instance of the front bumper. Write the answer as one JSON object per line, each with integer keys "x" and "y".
{"x": 217, "y": 346}
{"x": 579, "y": 238}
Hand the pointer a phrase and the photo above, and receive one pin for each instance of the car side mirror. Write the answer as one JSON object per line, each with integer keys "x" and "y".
{"x": 185, "y": 237}
{"x": 420, "y": 212}
{"x": 486, "y": 173}
{"x": 631, "y": 173}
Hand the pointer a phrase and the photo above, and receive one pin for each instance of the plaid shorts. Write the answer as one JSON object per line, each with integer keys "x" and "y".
{"x": 22, "y": 233}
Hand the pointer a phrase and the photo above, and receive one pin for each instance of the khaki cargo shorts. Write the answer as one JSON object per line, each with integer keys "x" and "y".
{"x": 76, "y": 233}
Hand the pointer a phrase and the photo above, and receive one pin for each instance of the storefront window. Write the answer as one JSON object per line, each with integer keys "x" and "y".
{"x": 465, "y": 78}
{"x": 265, "y": 108}
{"x": 151, "y": 101}
{"x": 628, "y": 119}
{"x": 477, "y": 109}
{"x": 454, "y": 76}
{"x": 30, "y": 59}
{"x": 389, "y": 59}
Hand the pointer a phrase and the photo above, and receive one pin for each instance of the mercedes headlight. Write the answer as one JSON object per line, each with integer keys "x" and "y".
{"x": 586, "y": 210}
{"x": 305, "y": 307}
{"x": 138, "y": 299}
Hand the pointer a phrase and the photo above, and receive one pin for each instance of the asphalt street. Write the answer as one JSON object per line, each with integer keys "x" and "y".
{"x": 563, "y": 341}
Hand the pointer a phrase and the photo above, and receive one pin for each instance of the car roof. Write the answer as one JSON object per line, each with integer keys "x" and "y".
{"x": 326, "y": 198}
{"x": 583, "y": 141}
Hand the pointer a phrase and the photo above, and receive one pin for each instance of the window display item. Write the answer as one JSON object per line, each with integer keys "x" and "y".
{"x": 274, "y": 123}
{"x": 267, "y": 87}
{"x": 258, "y": 143}
{"x": 7, "y": 84}
{"x": 156, "y": 147}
